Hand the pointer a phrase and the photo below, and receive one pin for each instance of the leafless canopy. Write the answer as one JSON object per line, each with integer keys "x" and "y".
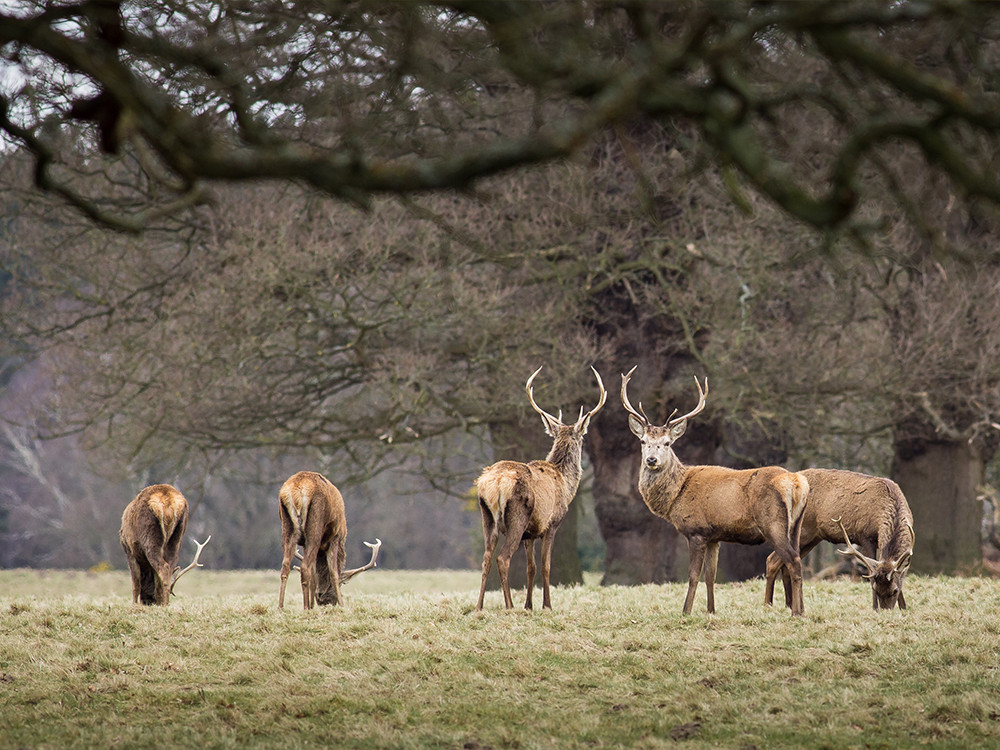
{"x": 361, "y": 98}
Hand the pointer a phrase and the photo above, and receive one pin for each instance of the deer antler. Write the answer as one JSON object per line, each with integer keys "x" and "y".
{"x": 584, "y": 418}
{"x": 854, "y": 552}
{"x": 349, "y": 574}
{"x": 531, "y": 399}
{"x": 194, "y": 563}
{"x": 702, "y": 396}
{"x": 904, "y": 560}
{"x": 640, "y": 414}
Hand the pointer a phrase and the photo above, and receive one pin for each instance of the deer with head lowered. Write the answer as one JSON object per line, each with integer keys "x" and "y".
{"x": 312, "y": 515}
{"x": 527, "y": 501}
{"x": 871, "y": 510}
{"x": 152, "y": 530}
{"x": 714, "y": 504}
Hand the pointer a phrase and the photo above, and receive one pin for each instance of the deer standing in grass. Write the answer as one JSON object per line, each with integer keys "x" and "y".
{"x": 871, "y": 510}
{"x": 153, "y": 527}
{"x": 713, "y": 504}
{"x": 527, "y": 501}
{"x": 312, "y": 515}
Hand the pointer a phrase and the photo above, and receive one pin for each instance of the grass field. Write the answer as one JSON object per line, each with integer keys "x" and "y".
{"x": 408, "y": 663}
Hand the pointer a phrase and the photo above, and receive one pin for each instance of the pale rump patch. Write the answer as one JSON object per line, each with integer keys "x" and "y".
{"x": 495, "y": 486}
{"x": 168, "y": 506}
{"x": 295, "y": 498}
{"x": 794, "y": 489}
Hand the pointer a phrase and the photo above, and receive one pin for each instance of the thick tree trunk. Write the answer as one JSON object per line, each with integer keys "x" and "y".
{"x": 527, "y": 442}
{"x": 940, "y": 481}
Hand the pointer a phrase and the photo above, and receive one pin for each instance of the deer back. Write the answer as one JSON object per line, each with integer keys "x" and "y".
{"x": 540, "y": 488}
{"x": 157, "y": 515}
{"x": 723, "y": 504}
{"x": 873, "y": 510}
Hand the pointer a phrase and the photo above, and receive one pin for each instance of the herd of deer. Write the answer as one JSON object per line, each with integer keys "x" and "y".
{"x": 790, "y": 511}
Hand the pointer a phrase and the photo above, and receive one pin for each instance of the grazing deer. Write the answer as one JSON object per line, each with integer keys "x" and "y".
{"x": 874, "y": 512}
{"x": 312, "y": 515}
{"x": 713, "y": 504}
{"x": 526, "y": 501}
{"x": 153, "y": 526}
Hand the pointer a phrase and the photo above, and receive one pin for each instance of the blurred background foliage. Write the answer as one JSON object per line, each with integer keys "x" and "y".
{"x": 239, "y": 240}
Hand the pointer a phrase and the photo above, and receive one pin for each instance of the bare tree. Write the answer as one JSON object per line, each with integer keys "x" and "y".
{"x": 467, "y": 89}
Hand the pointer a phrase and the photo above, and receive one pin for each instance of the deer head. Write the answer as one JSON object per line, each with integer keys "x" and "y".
{"x": 886, "y": 575}
{"x": 656, "y": 441}
{"x": 554, "y": 426}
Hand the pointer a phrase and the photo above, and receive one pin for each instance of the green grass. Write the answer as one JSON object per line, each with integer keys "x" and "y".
{"x": 408, "y": 663}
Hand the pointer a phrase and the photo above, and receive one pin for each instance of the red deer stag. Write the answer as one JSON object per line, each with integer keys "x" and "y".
{"x": 871, "y": 510}
{"x": 528, "y": 501}
{"x": 312, "y": 515}
{"x": 713, "y": 504}
{"x": 153, "y": 526}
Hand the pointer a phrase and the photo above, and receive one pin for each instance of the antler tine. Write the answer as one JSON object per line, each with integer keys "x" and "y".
{"x": 194, "y": 563}
{"x": 531, "y": 399}
{"x": 904, "y": 560}
{"x": 640, "y": 414}
{"x": 349, "y": 574}
{"x": 702, "y": 396}
{"x": 854, "y": 552}
{"x": 601, "y": 400}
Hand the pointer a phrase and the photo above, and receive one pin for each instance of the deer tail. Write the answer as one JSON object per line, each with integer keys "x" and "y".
{"x": 496, "y": 487}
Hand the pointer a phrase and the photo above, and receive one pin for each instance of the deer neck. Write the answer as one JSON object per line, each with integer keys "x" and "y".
{"x": 566, "y": 456}
{"x": 661, "y": 487}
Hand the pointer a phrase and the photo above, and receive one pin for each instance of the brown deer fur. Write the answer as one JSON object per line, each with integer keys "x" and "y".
{"x": 312, "y": 515}
{"x": 527, "y": 501}
{"x": 875, "y": 516}
{"x": 713, "y": 504}
{"x": 153, "y": 526}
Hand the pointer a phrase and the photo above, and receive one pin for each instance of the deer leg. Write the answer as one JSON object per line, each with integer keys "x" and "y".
{"x": 136, "y": 573}
{"x": 901, "y": 600}
{"x": 287, "y": 552}
{"x": 775, "y": 566}
{"x": 547, "y": 541}
{"x": 529, "y": 584}
{"x": 490, "y": 537}
{"x": 307, "y": 571}
{"x": 792, "y": 567}
{"x": 336, "y": 556}
{"x": 771, "y": 569}
{"x": 696, "y": 553}
{"x": 516, "y": 524}
{"x": 711, "y": 566}
{"x": 786, "y": 581}
{"x": 163, "y": 573}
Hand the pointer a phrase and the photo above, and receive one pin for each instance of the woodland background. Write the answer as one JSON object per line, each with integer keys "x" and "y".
{"x": 242, "y": 239}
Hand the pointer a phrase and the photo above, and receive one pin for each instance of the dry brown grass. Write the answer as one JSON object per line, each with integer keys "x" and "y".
{"x": 408, "y": 663}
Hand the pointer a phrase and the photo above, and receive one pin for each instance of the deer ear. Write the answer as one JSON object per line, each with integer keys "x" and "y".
{"x": 636, "y": 425}
{"x": 549, "y": 429}
{"x": 677, "y": 430}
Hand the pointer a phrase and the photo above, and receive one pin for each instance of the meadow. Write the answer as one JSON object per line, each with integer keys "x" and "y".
{"x": 409, "y": 663}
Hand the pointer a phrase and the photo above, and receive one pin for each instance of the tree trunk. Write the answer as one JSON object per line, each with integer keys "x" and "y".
{"x": 528, "y": 442}
{"x": 940, "y": 481}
